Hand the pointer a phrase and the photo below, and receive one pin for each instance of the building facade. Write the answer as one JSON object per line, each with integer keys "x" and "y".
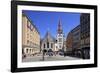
{"x": 76, "y": 46}
{"x": 48, "y": 42}
{"x": 85, "y": 34}
{"x": 30, "y": 37}
{"x": 69, "y": 42}
{"x": 76, "y": 38}
{"x": 73, "y": 42}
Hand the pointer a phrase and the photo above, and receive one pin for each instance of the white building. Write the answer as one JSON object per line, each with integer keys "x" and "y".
{"x": 48, "y": 42}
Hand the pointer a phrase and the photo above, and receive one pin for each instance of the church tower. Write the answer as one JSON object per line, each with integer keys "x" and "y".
{"x": 60, "y": 36}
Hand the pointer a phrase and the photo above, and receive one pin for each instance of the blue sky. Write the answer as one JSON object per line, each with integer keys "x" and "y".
{"x": 48, "y": 21}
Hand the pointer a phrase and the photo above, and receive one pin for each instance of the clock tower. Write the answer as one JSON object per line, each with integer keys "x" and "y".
{"x": 60, "y": 36}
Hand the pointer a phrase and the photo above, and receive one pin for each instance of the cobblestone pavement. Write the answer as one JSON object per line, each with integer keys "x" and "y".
{"x": 48, "y": 58}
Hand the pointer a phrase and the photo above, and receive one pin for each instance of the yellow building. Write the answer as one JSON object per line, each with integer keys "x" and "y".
{"x": 30, "y": 37}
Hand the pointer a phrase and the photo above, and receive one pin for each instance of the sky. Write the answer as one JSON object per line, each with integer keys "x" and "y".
{"x": 48, "y": 21}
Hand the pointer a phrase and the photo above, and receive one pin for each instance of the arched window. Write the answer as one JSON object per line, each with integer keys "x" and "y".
{"x": 47, "y": 44}
{"x": 30, "y": 50}
{"x": 51, "y": 45}
{"x": 27, "y": 50}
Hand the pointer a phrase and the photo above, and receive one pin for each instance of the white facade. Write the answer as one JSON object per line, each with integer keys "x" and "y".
{"x": 60, "y": 41}
{"x": 48, "y": 42}
{"x": 60, "y": 37}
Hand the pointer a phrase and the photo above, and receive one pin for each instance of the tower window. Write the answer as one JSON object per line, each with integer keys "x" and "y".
{"x": 60, "y": 46}
{"x": 60, "y": 39}
{"x": 44, "y": 45}
{"x": 60, "y": 35}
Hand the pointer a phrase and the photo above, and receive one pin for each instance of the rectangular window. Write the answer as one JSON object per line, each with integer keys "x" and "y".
{"x": 27, "y": 41}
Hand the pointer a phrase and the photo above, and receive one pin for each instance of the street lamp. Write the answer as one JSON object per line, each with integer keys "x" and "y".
{"x": 43, "y": 54}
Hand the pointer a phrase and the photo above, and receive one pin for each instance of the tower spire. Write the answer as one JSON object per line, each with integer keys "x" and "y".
{"x": 59, "y": 27}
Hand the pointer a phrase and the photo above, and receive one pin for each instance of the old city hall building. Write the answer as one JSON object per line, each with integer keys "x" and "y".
{"x": 55, "y": 44}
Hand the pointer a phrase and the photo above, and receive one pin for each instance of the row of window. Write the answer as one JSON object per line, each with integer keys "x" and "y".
{"x": 48, "y": 45}
{"x": 60, "y": 39}
{"x": 29, "y": 50}
{"x": 76, "y": 33}
{"x": 85, "y": 35}
{"x": 85, "y": 41}
{"x": 32, "y": 44}
{"x": 30, "y": 26}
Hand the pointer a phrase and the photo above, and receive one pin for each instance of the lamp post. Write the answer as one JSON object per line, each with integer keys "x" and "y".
{"x": 44, "y": 51}
{"x": 43, "y": 54}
